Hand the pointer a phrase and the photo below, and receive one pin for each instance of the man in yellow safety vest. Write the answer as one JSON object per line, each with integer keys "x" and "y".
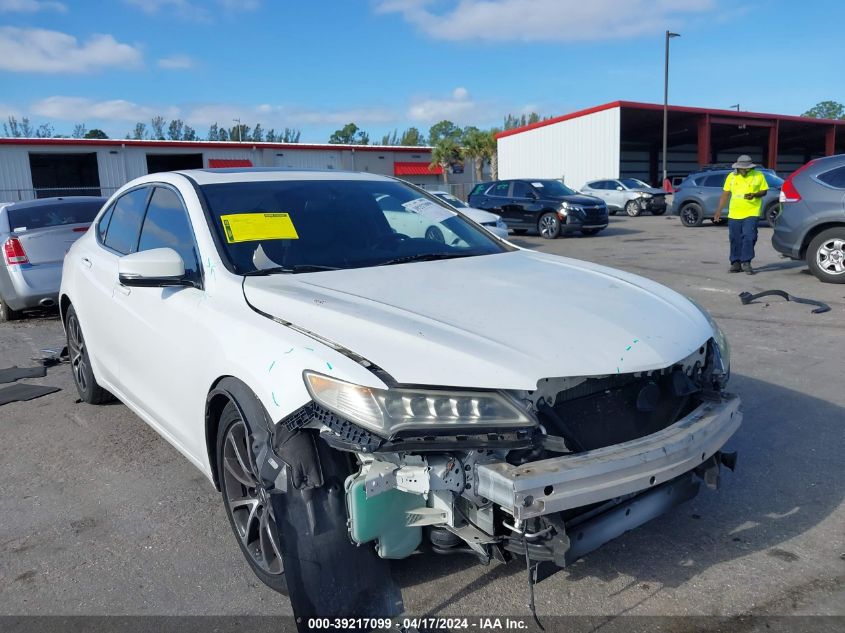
{"x": 746, "y": 188}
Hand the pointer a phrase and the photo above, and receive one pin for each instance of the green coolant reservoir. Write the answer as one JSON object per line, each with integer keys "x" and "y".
{"x": 383, "y": 518}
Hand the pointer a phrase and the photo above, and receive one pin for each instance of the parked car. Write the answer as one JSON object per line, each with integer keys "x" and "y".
{"x": 629, "y": 194}
{"x": 697, "y": 197}
{"x": 547, "y": 206}
{"x": 811, "y": 224}
{"x": 489, "y": 221}
{"x": 344, "y": 384}
{"x": 35, "y": 236}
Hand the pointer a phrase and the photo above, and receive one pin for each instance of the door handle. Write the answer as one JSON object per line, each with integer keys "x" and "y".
{"x": 86, "y": 262}
{"x": 126, "y": 290}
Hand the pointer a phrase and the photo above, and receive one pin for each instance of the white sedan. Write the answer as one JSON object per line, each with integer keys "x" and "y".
{"x": 490, "y": 221}
{"x": 345, "y": 385}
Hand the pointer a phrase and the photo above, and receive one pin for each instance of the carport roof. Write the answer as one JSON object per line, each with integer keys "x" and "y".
{"x": 634, "y": 105}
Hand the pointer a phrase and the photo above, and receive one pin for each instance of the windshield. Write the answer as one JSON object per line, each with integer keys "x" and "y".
{"x": 455, "y": 202}
{"x": 41, "y": 216}
{"x": 633, "y": 183}
{"x": 553, "y": 188}
{"x": 306, "y": 225}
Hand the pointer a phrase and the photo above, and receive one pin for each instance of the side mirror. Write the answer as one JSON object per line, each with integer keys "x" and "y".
{"x": 155, "y": 268}
{"x": 619, "y": 188}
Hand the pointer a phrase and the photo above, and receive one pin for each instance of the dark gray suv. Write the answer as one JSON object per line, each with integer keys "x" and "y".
{"x": 811, "y": 224}
{"x": 696, "y": 198}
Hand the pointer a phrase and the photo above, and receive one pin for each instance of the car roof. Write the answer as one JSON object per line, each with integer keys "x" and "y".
{"x": 51, "y": 202}
{"x": 268, "y": 174}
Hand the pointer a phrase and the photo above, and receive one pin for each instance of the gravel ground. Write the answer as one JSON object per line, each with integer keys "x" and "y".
{"x": 100, "y": 516}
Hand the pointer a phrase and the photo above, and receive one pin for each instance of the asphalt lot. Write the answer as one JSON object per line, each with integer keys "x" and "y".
{"x": 98, "y": 515}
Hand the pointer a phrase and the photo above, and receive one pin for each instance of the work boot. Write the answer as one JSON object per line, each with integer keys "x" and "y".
{"x": 746, "y": 268}
{"x": 735, "y": 268}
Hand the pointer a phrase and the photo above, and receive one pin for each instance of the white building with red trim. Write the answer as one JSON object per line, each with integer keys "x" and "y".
{"x": 624, "y": 139}
{"x": 34, "y": 167}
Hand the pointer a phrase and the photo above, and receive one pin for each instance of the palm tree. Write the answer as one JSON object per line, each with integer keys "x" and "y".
{"x": 493, "y": 152}
{"x": 444, "y": 154}
{"x": 476, "y": 146}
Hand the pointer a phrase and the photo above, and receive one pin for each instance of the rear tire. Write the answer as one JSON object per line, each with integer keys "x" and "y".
{"x": 434, "y": 234}
{"x": 80, "y": 363}
{"x": 548, "y": 226}
{"x": 247, "y": 505}
{"x": 772, "y": 213}
{"x": 826, "y": 256}
{"x": 6, "y": 313}
{"x": 632, "y": 208}
{"x": 691, "y": 214}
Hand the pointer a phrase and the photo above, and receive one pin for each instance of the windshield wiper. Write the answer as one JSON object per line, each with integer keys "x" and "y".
{"x": 423, "y": 257}
{"x": 289, "y": 270}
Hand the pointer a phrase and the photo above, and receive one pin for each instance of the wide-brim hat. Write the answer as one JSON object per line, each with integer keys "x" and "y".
{"x": 743, "y": 162}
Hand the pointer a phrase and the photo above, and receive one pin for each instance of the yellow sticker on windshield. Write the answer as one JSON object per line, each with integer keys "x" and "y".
{"x": 251, "y": 227}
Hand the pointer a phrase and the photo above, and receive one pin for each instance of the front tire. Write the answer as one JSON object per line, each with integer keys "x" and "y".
{"x": 435, "y": 235}
{"x": 691, "y": 214}
{"x": 549, "y": 226}
{"x": 80, "y": 363}
{"x": 247, "y": 504}
{"x": 6, "y": 313}
{"x": 632, "y": 208}
{"x": 826, "y": 256}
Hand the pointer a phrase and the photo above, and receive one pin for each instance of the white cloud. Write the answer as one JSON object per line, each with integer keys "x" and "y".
{"x": 460, "y": 107}
{"x": 31, "y": 6}
{"x": 291, "y": 116}
{"x": 82, "y": 109}
{"x": 176, "y": 62}
{"x": 542, "y": 20}
{"x": 43, "y": 51}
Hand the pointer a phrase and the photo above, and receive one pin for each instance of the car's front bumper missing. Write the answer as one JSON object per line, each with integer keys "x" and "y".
{"x": 573, "y": 481}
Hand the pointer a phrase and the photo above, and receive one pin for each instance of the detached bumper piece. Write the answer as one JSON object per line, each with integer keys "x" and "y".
{"x": 554, "y": 485}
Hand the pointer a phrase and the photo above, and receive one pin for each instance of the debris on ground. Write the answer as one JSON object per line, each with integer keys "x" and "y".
{"x": 11, "y": 374}
{"x": 22, "y": 392}
{"x": 747, "y": 297}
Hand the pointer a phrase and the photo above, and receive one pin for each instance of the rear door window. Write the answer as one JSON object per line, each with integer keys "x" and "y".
{"x": 714, "y": 180}
{"x": 42, "y": 215}
{"x": 166, "y": 225}
{"x": 521, "y": 189}
{"x": 834, "y": 177}
{"x": 125, "y": 224}
{"x": 499, "y": 190}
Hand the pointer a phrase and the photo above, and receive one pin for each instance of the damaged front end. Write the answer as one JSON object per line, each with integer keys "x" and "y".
{"x": 546, "y": 475}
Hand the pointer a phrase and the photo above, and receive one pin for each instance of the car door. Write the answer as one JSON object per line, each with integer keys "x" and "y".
{"x": 617, "y": 195}
{"x": 96, "y": 262}
{"x": 497, "y": 200}
{"x": 525, "y": 205}
{"x": 710, "y": 190}
{"x": 600, "y": 189}
{"x": 167, "y": 325}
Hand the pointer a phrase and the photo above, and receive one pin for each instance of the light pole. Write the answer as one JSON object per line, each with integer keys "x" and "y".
{"x": 669, "y": 35}
{"x": 238, "y": 121}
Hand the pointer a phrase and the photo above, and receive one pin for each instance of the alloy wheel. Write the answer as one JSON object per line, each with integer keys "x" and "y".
{"x": 830, "y": 256}
{"x": 549, "y": 226}
{"x": 249, "y": 503}
{"x": 76, "y": 351}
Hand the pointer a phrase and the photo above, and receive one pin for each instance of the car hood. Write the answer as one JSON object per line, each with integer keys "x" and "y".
{"x": 496, "y": 321}
{"x": 479, "y": 215}
{"x": 576, "y": 199}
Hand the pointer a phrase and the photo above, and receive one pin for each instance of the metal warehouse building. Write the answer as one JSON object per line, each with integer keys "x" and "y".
{"x": 624, "y": 139}
{"x": 40, "y": 168}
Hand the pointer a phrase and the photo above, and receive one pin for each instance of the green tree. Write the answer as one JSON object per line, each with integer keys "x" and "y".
{"x": 213, "y": 133}
{"x": 95, "y": 133}
{"x": 239, "y": 132}
{"x": 826, "y": 110}
{"x": 223, "y": 134}
{"x": 476, "y": 147}
{"x": 45, "y": 130}
{"x": 140, "y": 131}
{"x": 390, "y": 139}
{"x": 257, "y": 133}
{"x": 270, "y": 137}
{"x": 189, "y": 134}
{"x": 79, "y": 131}
{"x": 493, "y": 152}
{"x": 13, "y": 129}
{"x": 511, "y": 121}
{"x": 157, "y": 126}
{"x": 412, "y": 137}
{"x": 290, "y": 135}
{"x": 174, "y": 130}
{"x": 350, "y": 134}
{"x": 26, "y": 128}
{"x": 444, "y": 154}
{"x": 444, "y": 130}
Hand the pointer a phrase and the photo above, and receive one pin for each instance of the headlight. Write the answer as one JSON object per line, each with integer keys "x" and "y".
{"x": 565, "y": 208}
{"x": 645, "y": 195}
{"x": 718, "y": 336}
{"x": 385, "y": 411}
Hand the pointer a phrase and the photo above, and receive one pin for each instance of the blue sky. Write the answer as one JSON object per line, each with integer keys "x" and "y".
{"x": 385, "y": 64}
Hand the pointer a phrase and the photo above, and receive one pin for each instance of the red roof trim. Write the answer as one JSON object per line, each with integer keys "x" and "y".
{"x": 635, "y": 105}
{"x": 93, "y": 142}
{"x": 416, "y": 169}
{"x": 229, "y": 162}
